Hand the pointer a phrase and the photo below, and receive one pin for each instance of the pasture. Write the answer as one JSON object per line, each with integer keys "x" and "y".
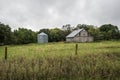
{"x": 57, "y": 61}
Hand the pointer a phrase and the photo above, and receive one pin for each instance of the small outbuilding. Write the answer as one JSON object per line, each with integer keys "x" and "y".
{"x": 80, "y": 35}
{"x": 42, "y": 38}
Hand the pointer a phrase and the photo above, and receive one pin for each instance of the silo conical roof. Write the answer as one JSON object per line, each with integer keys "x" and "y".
{"x": 42, "y": 33}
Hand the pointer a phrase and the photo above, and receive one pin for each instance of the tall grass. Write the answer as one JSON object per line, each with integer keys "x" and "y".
{"x": 95, "y": 61}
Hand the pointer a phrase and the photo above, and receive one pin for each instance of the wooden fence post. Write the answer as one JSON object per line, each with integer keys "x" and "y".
{"x": 6, "y": 53}
{"x": 76, "y": 49}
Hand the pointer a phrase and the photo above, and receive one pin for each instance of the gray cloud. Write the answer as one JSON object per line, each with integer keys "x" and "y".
{"x": 37, "y": 14}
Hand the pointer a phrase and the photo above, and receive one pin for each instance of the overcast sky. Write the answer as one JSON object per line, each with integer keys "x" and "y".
{"x": 38, "y": 14}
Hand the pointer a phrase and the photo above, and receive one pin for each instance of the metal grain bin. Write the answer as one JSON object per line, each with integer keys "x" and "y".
{"x": 42, "y": 38}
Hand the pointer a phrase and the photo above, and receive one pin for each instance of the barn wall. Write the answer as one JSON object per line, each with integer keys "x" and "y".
{"x": 83, "y": 33}
{"x": 90, "y": 39}
{"x": 69, "y": 39}
{"x": 83, "y": 39}
{"x": 76, "y": 39}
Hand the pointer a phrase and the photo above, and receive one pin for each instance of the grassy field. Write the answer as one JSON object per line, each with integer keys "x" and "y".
{"x": 57, "y": 61}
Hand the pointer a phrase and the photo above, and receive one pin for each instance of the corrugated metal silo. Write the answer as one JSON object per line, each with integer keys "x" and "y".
{"x": 42, "y": 38}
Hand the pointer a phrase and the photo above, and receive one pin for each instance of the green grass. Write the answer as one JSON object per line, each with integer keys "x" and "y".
{"x": 57, "y": 61}
{"x": 61, "y": 49}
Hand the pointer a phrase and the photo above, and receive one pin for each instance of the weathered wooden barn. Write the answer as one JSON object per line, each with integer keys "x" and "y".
{"x": 80, "y": 35}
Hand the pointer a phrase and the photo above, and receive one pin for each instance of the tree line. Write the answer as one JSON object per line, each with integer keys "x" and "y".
{"x": 25, "y": 36}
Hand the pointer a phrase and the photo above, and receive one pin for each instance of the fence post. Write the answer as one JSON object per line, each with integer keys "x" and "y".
{"x": 6, "y": 53}
{"x": 76, "y": 49}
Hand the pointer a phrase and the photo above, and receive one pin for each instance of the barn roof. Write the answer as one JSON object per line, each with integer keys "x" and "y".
{"x": 42, "y": 33}
{"x": 75, "y": 32}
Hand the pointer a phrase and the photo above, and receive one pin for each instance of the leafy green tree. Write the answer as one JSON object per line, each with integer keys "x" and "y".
{"x": 67, "y": 29}
{"x": 5, "y": 34}
{"x": 24, "y": 36}
{"x": 85, "y": 26}
{"x": 95, "y": 32}
{"x": 109, "y": 31}
{"x": 56, "y": 34}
